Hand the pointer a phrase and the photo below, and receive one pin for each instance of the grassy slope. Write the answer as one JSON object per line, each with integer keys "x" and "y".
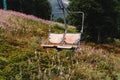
{"x": 22, "y": 58}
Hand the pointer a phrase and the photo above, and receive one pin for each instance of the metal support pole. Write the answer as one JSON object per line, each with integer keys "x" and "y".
{"x": 83, "y": 17}
{"x": 60, "y": 3}
{"x": 4, "y": 4}
{"x": 65, "y": 23}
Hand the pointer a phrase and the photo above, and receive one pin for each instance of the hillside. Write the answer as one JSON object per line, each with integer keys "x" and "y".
{"x": 22, "y": 58}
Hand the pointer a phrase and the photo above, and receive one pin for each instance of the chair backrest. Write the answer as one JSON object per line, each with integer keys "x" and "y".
{"x": 55, "y": 38}
{"x": 70, "y": 38}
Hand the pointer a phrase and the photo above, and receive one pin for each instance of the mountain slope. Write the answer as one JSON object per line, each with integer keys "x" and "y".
{"x": 22, "y": 58}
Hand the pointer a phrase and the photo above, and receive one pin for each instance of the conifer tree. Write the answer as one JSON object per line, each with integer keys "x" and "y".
{"x": 100, "y": 17}
{"x": 39, "y": 8}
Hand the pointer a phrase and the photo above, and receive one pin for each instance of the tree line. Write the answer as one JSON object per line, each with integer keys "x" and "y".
{"x": 39, "y": 8}
{"x": 102, "y": 18}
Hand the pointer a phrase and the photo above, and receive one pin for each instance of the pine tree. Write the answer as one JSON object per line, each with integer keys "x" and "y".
{"x": 100, "y": 17}
{"x": 39, "y": 8}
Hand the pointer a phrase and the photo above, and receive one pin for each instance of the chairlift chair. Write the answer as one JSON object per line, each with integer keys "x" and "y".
{"x": 65, "y": 40}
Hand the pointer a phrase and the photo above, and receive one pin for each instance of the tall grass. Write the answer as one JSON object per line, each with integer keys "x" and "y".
{"x": 22, "y": 58}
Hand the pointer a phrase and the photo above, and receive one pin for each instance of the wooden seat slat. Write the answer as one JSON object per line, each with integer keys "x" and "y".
{"x": 67, "y": 47}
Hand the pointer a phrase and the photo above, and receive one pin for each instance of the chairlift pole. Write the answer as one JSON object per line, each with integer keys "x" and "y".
{"x": 4, "y": 4}
{"x": 60, "y": 3}
{"x": 83, "y": 17}
{"x": 66, "y": 27}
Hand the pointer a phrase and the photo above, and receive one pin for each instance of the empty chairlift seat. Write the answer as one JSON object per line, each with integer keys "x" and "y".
{"x": 64, "y": 40}
{"x": 71, "y": 41}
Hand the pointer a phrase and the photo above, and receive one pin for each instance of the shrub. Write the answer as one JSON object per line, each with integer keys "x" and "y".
{"x": 117, "y": 42}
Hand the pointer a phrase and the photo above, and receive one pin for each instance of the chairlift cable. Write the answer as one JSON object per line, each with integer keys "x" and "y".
{"x": 59, "y": 4}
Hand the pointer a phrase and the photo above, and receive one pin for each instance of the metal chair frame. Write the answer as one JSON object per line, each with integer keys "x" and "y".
{"x": 63, "y": 44}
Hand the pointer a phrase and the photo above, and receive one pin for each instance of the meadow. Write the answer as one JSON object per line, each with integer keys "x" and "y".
{"x": 22, "y": 57}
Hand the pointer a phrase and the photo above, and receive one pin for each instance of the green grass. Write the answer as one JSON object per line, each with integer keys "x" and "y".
{"x": 22, "y": 57}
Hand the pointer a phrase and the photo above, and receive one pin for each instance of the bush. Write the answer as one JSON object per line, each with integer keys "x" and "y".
{"x": 59, "y": 20}
{"x": 117, "y": 42}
